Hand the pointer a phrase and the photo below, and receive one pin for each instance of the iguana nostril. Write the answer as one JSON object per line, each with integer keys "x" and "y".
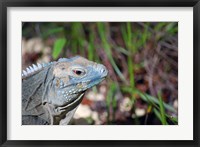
{"x": 103, "y": 71}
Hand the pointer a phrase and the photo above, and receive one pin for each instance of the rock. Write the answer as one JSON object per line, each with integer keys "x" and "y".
{"x": 140, "y": 112}
{"x": 95, "y": 96}
{"x": 102, "y": 89}
{"x": 83, "y": 111}
{"x": 175, "y": 104}
{"x": 125, "y": 105}
{"x": 95, "y": 117}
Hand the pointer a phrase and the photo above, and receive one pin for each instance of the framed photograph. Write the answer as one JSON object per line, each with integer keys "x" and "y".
{"x": 95, "y": 73}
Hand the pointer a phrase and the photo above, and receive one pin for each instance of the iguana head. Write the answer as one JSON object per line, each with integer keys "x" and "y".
{"x": 72, "y": 77}
{"x": 52, "y": 91}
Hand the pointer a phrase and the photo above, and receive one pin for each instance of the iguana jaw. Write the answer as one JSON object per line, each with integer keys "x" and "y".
{"x": 68, "y": 105}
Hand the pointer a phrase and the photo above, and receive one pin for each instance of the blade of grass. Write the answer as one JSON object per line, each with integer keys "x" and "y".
{"x": 52, "y": 31}
{"x": 172, "y": 27}
{"x": 173, "y": 119}
{"x": 91, "y": 45}
{"x": 159, "y": 26}
{"x": 128, "y": 37}
{"x": 147, "y": 97}
{"x": 78, "y": 37}
{"x": 58, "y": 46}
{"x": 107, "y": 48}
{"x": 145, "y": 35}
{"x": 109, "y": 100}
{"x": 122, "y": 50}
{"x": 156, "y": 112}
{"x": 158, "y": 115}
{"x": 162, "y": 109}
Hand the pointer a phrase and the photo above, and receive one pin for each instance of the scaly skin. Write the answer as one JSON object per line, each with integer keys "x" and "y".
{"x": 52, "y": 92}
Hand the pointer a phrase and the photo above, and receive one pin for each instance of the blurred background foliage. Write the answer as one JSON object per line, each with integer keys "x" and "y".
{"x": 142, "y": 59}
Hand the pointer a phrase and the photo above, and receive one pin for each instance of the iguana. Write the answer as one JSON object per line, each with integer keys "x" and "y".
{"x": 51, "y": 92}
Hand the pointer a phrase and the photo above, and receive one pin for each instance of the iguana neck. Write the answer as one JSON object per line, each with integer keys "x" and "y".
{"x": 33, "y": 87}
{"x": 59, "y": 113}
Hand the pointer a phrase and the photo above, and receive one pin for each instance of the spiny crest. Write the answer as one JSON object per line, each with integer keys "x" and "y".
{"x": 34, "y": 69}
{"x": 63, "y": 60}
{"x": 68, "y": 59}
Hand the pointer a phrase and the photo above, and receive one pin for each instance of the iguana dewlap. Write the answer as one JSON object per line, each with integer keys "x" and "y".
{"x": 51, "y": 92}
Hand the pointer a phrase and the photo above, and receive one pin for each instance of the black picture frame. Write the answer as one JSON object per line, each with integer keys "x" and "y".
{"x": 4, "y": 4}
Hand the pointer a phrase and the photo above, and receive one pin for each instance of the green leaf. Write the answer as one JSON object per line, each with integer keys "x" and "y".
{"x": 58, "y": 46}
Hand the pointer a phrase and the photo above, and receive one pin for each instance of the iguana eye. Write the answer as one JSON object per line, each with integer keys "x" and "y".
{"x": 78, "y": 72}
